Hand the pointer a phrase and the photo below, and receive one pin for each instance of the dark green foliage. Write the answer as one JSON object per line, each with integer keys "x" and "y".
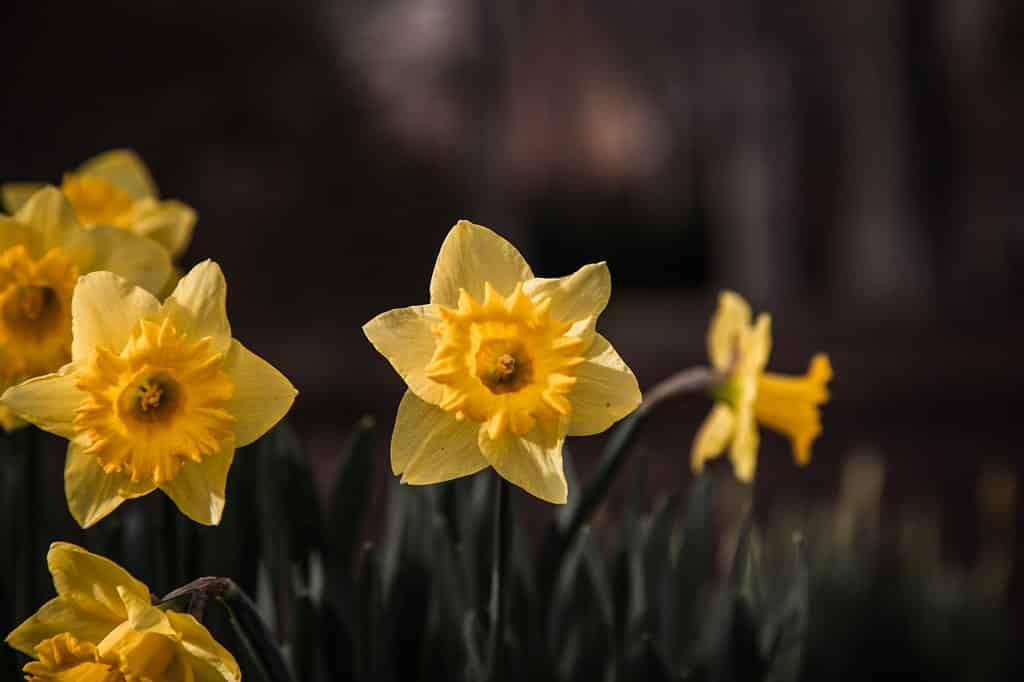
{"x": 643, "y": 596}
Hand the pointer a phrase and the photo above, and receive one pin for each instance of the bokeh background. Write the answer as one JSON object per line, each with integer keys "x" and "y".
{"x": 853, "y": 167}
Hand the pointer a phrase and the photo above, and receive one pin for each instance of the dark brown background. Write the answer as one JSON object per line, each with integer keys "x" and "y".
{"x": 854, "y": 167}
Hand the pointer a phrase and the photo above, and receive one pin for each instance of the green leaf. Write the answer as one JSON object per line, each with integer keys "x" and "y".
{"x": 787, "y": 633}
{"x": 349, "y": 502}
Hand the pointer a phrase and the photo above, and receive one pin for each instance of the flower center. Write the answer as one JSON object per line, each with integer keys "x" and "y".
{"x": 66, "y": 658}
{"x": 35, "y": 311}
{"x": 789, "y": 404}
{"x": 97, "y": 201}
{"x": 155, "y": 404}
{"x": 505, "y": 362}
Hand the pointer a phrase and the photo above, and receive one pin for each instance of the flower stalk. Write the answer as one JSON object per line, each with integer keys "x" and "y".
{"x": 499, "y": 580}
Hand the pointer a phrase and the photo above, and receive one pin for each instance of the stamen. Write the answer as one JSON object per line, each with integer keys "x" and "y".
{"x": 150, "y": 394}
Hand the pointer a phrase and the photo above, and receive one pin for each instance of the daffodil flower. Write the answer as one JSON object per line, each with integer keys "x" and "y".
{"x": 749, "y": 396}
{"x": 102, "y": 627}
{"x": 116, "y": 189}
{"x": 501, "y": 366}
{"x": 43, "y": 250}
{"x": 155, "y": 396}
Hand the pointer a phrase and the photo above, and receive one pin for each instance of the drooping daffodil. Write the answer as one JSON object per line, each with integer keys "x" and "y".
{"x": 157, "y": 395}
{"x": 500, "y": 366}
{"x": 43, "y": 250}
{"x": 748, "y": 395}
{"x": 116, "y": 189}
{"x": 102, "y": 627}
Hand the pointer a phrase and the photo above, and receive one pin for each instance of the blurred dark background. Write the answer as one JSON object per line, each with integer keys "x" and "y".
{"x": 853, "y": 167}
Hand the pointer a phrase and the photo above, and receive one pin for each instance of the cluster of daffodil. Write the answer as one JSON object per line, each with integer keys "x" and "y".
{"x": 151, "y": 390}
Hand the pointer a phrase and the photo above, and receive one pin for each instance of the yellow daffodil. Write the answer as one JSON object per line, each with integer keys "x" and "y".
{"x": 43, "y": 250}
{"x": 116, "y": 189}
{"x": 155, "y": 396}
{"x": 500, "y": 367}
{"x": 749, "y": 396}
{"x": 102, "y": 627}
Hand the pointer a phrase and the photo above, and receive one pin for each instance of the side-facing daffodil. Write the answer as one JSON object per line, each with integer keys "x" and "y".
{"x": 501, "y": 366}
{"x": 116, "y": 189}
{"x": 43, "y": 250}
{"x": 102, "y": 627}
{"x": 155, "y": 396}
{"x": 748, "y": 396}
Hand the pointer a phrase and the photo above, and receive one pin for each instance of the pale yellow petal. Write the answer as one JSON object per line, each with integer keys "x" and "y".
{"x": 10, "y": 421}
{"x": 48, "y": 401}
{"x": 728, "y": 325}
{"x": 60, "y": 615}
{"x": 15, "y": 194}
{"x": 142, "y": 615}
{"x": 578, "y": 298}
{"x": 262, "y": 394}
{"x": 168, "y": 223}
{"x": 756, "y": 347}
{"x": 13, "y": 233}
{"x": 405, "y": 337}
{"x": 198, "y": 305}
{"x": 743, "y": 452}
{"x": 529, "y": 463}
{"x": 93, "y": 583}
{"x": 50, "y": 217}
{"x": 124, "y": 169}
{"x": 471, "y": 255}
{"x": 91, "y": 492}
{"x": 429, "y": 445}
{"x": 606, "y": 390}
{"x": 104, "y": 310}
{"x": 139, "y": 260}
{"x": 209, "y": 661}
{"x": 713, "y": 436}
{"x": 198, "y": 489}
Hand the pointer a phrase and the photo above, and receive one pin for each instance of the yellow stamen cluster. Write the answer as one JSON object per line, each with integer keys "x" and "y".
{"x": 35, "y": 311}
{"x": 505, "y": 362}
{"x": 155, "y": 404}
{"x": 97, "y": 201}
{"x": 789, "y": 404}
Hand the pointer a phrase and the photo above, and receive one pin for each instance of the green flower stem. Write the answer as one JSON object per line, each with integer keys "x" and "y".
{"x": 254, "y": 634}
{"x": 687, "y": 382}
{"x": 499, "y": 581}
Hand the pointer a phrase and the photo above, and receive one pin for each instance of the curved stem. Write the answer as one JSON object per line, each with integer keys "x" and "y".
{"x": 499, "y": 581}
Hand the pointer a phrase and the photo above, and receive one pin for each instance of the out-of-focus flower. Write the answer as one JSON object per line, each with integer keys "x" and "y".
{"x": 500, "y": 366}
{"x": 116, "y": 189}
{"x": 155, "y": 396}
{"x": 748, "y": 395}
{"x": 43, "y": 250}
{"x": 102, "y": 627}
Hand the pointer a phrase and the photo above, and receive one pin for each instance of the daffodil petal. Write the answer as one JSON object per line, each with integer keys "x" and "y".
{"x": 91, "y": 492}
{"x": 429, "y": 445}
{"x": 124, "y": 169}
{"x": 57, "y": 616}
{"x": 15, "y": 194}
{"x": 13, "y": 232}
{"x": 94, "y": 583}
{"x": 104, "y": 310}
{"x": 137, "y": 259}
{"x": 142, "y": 615}
{"x": 713, "y": 436}
{"x": 729, "y": 323}
{"x": 577, "y": 298}
{"x": 50, "y": 217}
{"x": 470, "y": 256}
{"x": 755, "y": 349}
{"x": 743, "y": 452}
{"x": 262, "y": 394}
{"x": 169, "y": 223}
{"x": 528, "y": 463}
{"x": 406, "y": 338}
{"x": 198, "y": 305}
{"x": 209, "y": 661}
{"x": 606, "y": 390}
{"x": 48, "y": 401}
{"x": 198, "y": 489}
